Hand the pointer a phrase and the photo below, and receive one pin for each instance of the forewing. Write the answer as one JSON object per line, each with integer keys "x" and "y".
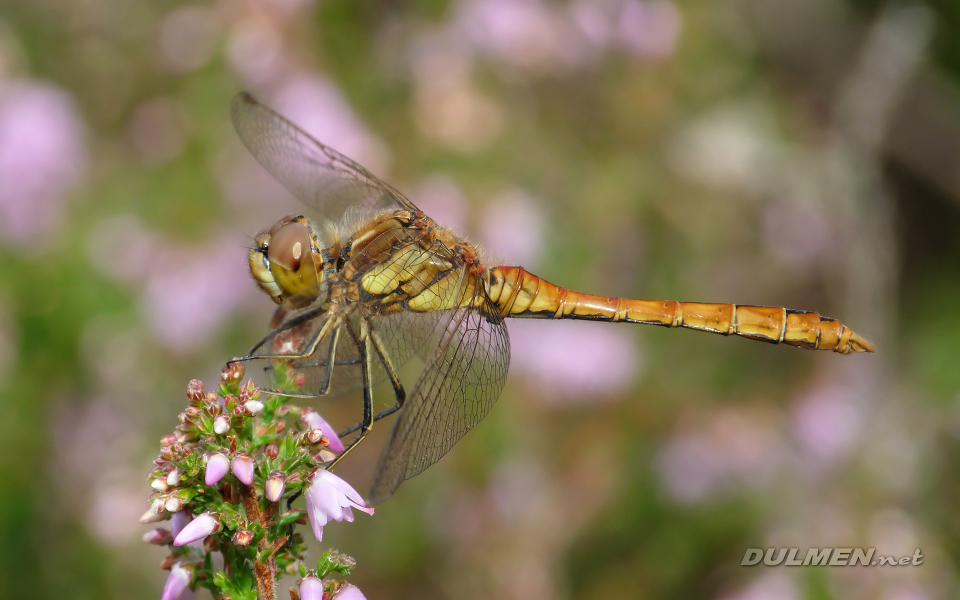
{"x": 316, "y": 174}
{"x": 457, "y": 388}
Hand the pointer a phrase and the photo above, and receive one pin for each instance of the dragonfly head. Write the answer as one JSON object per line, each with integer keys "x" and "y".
{"x": 286, "y": 260}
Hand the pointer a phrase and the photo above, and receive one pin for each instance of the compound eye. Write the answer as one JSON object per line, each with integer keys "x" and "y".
{"x": 288, "y": 246}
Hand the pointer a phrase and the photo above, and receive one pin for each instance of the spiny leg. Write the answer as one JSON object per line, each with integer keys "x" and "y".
{"x": 310, "y": 347}
{"x": 362, "y": 344}
{"x": 400, "y": 394}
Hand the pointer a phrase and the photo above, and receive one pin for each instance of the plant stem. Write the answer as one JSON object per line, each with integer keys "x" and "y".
{"x": 266, "y": 573}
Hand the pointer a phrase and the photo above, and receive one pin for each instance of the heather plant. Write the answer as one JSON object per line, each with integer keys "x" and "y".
{"x": 225, "y": 480}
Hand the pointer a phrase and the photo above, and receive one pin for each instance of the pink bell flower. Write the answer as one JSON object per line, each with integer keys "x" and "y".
{"x": 217, "y": 466}
{"x": 330, "y": 498}
{"x": 177, "y": 581}
{"x": 197, "y": 529}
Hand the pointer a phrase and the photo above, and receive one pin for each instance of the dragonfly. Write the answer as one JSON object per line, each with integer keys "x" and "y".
{"x": 373, "y": 281}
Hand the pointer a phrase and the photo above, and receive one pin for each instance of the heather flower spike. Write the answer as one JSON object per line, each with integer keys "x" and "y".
{"x": 242, "y": 519}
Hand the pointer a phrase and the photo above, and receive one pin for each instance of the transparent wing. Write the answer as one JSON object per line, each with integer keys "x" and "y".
{"x": 454, "y": 392}
{"x": 316, "y": 174}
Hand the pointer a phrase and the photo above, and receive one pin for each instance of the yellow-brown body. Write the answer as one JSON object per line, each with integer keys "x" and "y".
{"x": 404, "y": 261}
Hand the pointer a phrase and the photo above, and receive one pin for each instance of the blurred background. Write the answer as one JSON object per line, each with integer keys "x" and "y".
{"x": 804, "y": 154}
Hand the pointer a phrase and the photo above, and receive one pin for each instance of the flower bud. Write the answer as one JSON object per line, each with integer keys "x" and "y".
{"x": 311, "y": 588}
{"x": 156, "y": 507}
{"x": 213, "y": 408}
{"x": 243, "y": 468}
{"x": 168, "y": 440}
{"x": 232, "y": 373}
{"x": 221, "y": 424}
{"x": 325, "y": 456}
{"x": 173, "y": 477}
{"x": 159, "y": 537}
{"x": 275, "y": 485}
{"x": 271, "y": 451}
{"x": 249, "y": 391}
{"x": 315, "y": 421}
{"x": 178, "y": 521}
{"x": 173, "y": 504}
{"x": 315, "y": 436}
{"x": 160, "y": 484}
{"x": 152, "y": 517}
{"x": 253, "y": 406}
{"x": 242, "y": 537}
{"x": 197, "y": 529}
{"x": 177, "y": 582}
{"x": 217, "y": 466}
{"x": 195, "y": 391}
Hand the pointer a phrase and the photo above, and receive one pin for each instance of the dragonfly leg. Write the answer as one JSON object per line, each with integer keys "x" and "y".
{"x": 376, "y": 418}
{"x": 363, "y": 348}
{"x": 310, "y": 347}
{"x": 400, "y": 394}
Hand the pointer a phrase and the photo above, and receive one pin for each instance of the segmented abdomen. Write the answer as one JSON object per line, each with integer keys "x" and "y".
{"x": 520, "y": 293}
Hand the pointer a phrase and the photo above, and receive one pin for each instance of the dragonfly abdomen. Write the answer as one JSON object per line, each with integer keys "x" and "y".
{"x": 522, "y": 294}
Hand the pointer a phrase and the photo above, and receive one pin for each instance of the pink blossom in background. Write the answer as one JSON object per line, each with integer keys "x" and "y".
{"x": 777, "y": 585}
{"x": 528, "y": 34}
{"x": 649, "y": 29}
{"x": 115, "y": 507}
{"x": 595, "y": 20}
{"x": 158, "y": 129}
{"x": 574, "y": 361}
{"x": 42, "y": 159}
{"x": 512, "y": 228}
{"x": 281, "y": 9}
{"x": 188, "y": 37}
{"x": 190, "y": 293}
{"x": 905, "y": 591}
{"x": 122, "y": 247}
{"x": 440, "y": 198}
{"x": 448, "y": 106}
{"x": 895, "y": 532}
{"x": 827, "y": 422}
{"x": 733, "y": 449}
{"x": 255, "y": 50}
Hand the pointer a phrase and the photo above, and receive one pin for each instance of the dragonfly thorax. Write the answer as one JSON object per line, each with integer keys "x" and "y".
{"x": 286, "y": 260}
